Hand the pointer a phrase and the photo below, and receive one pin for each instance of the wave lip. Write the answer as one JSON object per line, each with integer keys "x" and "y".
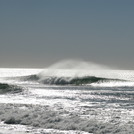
{"x": 6, "y": 88}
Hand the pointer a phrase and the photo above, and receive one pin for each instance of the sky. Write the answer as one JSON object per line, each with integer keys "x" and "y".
{"x": 38, "y": 33}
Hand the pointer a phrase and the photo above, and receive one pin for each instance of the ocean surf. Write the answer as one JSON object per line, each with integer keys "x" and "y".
{"x": 66, "y": 101}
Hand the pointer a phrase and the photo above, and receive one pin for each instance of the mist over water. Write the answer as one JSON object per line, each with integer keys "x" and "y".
{"x": 77, "y": 64}
{"x": 73, "y": 68}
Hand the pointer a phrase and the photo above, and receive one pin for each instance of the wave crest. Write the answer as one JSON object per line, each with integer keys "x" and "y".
{"x": 6, "y": 88}
{"x": 55, "y": 80}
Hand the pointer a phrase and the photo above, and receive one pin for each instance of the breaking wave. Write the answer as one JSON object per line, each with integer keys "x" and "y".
{"x": 74, "y": 81}
{"x": 6, "y": 88}
{"x": 55, "y": 80}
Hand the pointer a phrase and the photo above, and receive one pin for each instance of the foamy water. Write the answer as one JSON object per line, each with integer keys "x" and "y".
{"x": 66, "y": 101}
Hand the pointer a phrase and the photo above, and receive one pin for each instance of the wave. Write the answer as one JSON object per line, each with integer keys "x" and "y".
{"x": 29, "y": 78}
{"x": 6, "y": 88}
{"x": 55, "y": 80}
{"x": 74, "y": 81}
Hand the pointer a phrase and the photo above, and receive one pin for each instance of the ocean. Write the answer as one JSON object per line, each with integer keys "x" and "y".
{"x": 66, "y": 101}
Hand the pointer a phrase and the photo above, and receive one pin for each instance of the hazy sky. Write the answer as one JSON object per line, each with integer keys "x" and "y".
{"x": 37, "y": 33}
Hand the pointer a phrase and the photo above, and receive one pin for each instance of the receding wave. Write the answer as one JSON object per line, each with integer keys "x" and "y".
{"x": 6, "y": 88}
{"x": 54, "y": 80}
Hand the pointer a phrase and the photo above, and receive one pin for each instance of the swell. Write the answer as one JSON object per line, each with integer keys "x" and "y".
{"x": 7, "y": 88}
{"x": 54, "y": 80}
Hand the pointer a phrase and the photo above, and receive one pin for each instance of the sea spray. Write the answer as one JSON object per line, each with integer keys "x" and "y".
{"x": 73, "y": 68}
{"x": 77, "y": 68}
{"x": 78, "y": 65}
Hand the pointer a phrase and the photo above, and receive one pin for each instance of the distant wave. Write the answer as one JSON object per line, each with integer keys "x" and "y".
{"x": 29, "y": 78}
{"x": 54, "y": 80}
{"x": 6, "y": 88}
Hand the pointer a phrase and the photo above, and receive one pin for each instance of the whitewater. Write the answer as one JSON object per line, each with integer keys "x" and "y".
{"x": 66, "y": 101}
